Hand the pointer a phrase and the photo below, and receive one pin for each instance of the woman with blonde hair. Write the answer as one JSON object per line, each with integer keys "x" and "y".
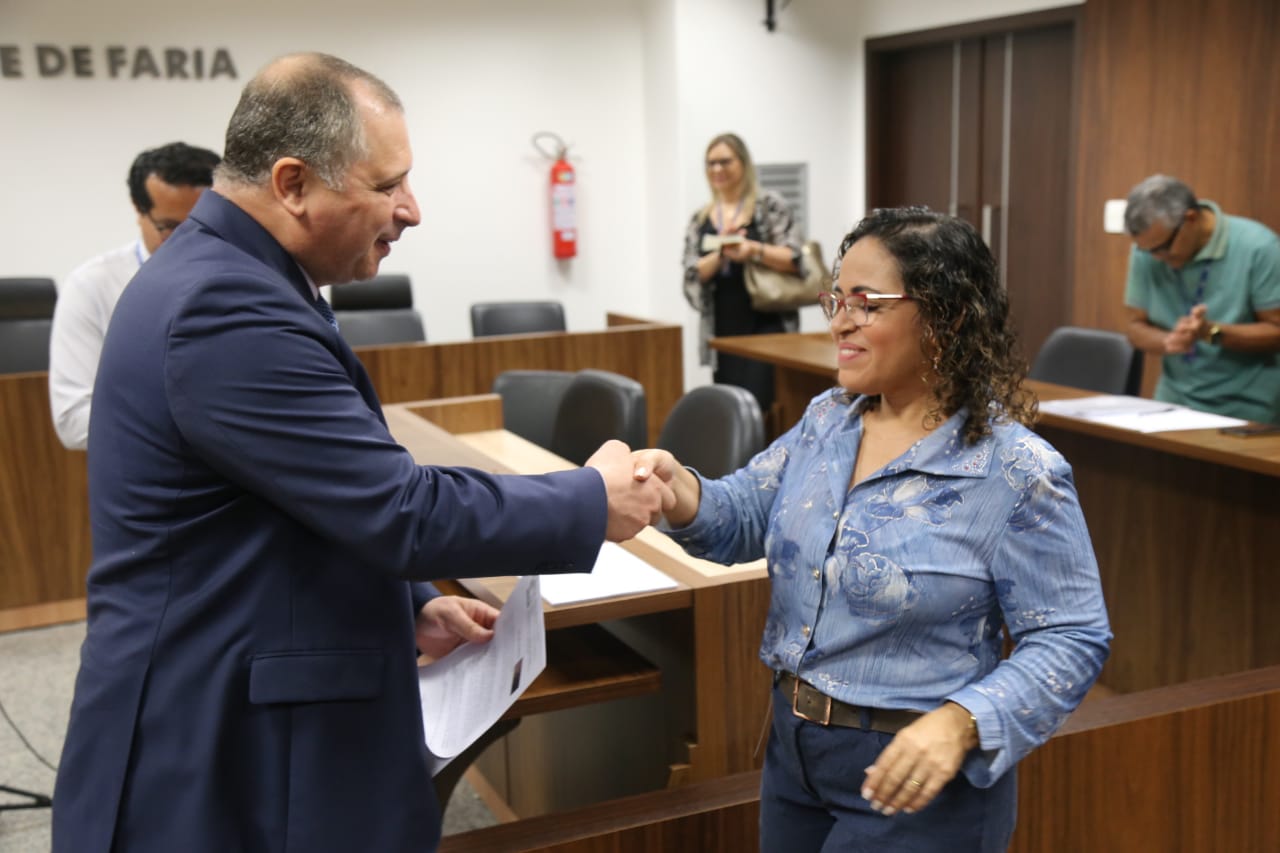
{"x": 760, "y": 230}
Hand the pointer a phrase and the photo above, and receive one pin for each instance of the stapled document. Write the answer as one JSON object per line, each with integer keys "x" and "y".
{"x": 468, "y": 690}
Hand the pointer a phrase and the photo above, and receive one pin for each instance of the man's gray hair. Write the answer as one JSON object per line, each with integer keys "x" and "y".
{"x": 1158, "y": 198}
{"x": 300, "y": 106}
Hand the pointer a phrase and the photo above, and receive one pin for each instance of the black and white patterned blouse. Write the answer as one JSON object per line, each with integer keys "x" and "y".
{"x": 773, "y": 222}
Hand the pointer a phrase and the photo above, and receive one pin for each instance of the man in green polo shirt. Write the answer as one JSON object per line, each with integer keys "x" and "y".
{"x": 1204, "y": 293}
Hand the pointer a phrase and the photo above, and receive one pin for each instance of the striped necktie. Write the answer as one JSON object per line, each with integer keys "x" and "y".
{"x": 325, "y": 311}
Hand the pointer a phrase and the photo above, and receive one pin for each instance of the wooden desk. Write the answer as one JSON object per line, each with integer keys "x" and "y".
{"x": 1184, "y": 525}
{"x": 703, "y": 636}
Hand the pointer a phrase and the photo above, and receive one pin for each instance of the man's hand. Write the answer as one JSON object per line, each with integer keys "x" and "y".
{"x": 633, "y": 503}
{"x": 1189, "y": 329}
{"x": 446, "y": 622}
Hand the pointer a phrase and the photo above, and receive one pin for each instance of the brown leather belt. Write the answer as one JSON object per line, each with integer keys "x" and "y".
{"x": 810, "y": 703}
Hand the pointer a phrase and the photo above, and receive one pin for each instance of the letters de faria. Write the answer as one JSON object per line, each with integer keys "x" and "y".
{"x": 116, "y": 62}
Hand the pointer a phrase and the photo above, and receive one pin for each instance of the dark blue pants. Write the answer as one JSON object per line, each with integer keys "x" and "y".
{"x": 810, "y": 800}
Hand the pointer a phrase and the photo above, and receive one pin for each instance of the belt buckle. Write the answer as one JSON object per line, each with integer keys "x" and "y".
{"x": 795, "y": 699}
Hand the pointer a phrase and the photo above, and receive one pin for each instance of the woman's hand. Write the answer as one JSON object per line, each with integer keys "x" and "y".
{"x": 920, "y": 760}
{"x": 686, "y": 489}
{"x": 446, "y": 622}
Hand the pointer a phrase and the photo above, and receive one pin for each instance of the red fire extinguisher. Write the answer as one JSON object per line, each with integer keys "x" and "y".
{"x": 564, "y": 214}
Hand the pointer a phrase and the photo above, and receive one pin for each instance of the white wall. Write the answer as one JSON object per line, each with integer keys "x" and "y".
{"x": 477, "y": 81}
{"x": 637, "y": 86}
{"x": 785, "y": 93}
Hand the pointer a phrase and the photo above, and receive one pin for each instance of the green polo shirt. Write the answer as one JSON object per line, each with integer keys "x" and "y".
{"x": 1236, "y": 274}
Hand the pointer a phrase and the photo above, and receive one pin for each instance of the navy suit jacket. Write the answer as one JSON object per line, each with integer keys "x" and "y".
{"x": 248, "y": 680}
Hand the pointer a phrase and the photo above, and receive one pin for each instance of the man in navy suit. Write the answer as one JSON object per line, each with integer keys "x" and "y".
{"x": 248, "y": 680}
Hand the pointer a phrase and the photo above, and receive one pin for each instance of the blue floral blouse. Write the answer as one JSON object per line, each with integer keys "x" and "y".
{"x": 893, "y": 594}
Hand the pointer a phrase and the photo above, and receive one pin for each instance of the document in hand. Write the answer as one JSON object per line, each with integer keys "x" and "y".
{"x": 713, "y": 242}
{"x": 467, "y": 690}
{"x": 617, "y": 572}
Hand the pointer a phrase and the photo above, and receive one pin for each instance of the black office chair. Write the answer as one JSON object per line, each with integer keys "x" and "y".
{"x": 599, "y": 405}
{"x": 1092, "y": 359}
{"x": 378, "y": 311}
{"x": 531, "y": 401}
{"x": 715, "y": 429}
{"x": 380, "y": 293}
{"x": 516, "y": 318}
{"x": 26, "y": 321}
{"x": 366, "y": 328}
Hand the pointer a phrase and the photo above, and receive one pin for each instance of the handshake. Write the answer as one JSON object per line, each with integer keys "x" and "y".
{"x": 643, "y": 486}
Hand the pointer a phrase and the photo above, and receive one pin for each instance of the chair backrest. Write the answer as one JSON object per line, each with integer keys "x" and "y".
{"x": 392, "y": 326}
{"x": 1092, "y": 359}
{"x": 531, "y": 401}
{"x": 26, "y": 320}
{"x": 715, "y": 429}
{"x": 515, "y": 318}
{"x": 380, "y": 293}
{"x": 599, "y": 405}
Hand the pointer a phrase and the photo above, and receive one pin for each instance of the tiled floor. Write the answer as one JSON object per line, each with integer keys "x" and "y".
{"x": 37, "y": 674}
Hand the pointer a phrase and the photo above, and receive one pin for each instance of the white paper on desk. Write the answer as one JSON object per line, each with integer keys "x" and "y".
{"x": 616, "y": 572}
{"x": 1136, "y": 413}
{"x": 1104, "y": 405}
{"x": 467, "y": 690}
{"x": 1178, "y": 417}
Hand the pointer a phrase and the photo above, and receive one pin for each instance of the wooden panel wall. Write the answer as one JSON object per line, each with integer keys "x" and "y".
{"x": 1184, "y": 769}
{"x": 1185, "y": 550}
{"x": 44, "y": 500}
{"x": 1184, "y": 87}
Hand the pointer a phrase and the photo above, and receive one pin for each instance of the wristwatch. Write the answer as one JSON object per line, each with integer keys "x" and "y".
{"x": 1215, "y": 334}
{"x": 759, "y": 256}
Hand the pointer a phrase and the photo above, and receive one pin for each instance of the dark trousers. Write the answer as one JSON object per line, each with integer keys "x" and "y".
{"x": 810, "y": 800}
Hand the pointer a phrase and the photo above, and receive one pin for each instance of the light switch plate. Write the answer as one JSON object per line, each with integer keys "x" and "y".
{"x": 1113, "y": 216}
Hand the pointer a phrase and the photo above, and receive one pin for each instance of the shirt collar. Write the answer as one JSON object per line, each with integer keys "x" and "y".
{"x": 1217, "y": 245}
{"x": 942, "y": 452}
{"x": 315, "y": 291}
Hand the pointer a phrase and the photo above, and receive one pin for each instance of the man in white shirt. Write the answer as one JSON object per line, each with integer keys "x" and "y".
{"x": 164, "y": 184}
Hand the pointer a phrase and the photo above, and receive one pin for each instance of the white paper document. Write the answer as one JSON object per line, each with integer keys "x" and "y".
{"x": 616, "y": 572}
{"x": 1136, "y": 413}
{"x": 467, "y": 690}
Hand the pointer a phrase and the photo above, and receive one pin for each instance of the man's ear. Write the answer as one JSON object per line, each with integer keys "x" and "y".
{"x": 291, "y": 183}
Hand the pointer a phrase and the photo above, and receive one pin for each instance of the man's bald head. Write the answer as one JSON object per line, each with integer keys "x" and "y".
{"x": 304, "y": 105}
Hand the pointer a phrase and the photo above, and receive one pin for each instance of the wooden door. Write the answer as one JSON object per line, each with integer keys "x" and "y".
{"x": 977, "y": 121}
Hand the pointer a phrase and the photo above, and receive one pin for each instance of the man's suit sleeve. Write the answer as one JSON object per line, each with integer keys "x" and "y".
{"x": 257, "y": 388}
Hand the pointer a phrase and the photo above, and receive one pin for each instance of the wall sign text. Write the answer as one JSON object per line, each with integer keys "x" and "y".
{"x": 115, "y": 62}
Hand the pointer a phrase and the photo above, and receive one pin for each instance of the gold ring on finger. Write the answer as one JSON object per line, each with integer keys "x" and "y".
{"x": 916, "y": 783}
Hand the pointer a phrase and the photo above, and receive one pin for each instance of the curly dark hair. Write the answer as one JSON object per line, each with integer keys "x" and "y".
{"x": 177, "y": 163}
{"x": 950, "y": 275}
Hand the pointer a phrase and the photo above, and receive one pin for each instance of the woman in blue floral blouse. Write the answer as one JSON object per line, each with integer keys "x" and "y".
{"x": 908, "y": 518}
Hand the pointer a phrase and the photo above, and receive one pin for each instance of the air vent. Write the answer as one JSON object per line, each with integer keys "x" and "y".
{"x": 791, "y": 181}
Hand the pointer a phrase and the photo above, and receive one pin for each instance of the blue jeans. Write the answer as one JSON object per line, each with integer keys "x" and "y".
{"x": 810, "y": 800}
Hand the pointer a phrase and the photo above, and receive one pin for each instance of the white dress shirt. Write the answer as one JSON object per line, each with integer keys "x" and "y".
{"x": 86, "y": 301}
